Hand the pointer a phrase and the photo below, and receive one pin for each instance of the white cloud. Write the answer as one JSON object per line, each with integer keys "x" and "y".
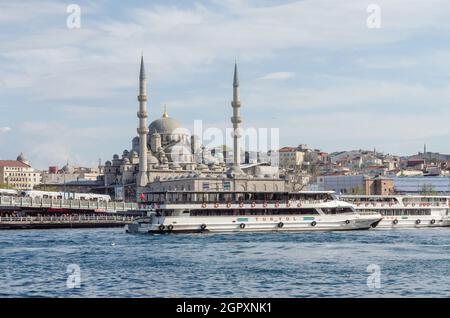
{"x": 99, "y": 61}
{"x": 278, "y": 76}
{"x": 5, "y": 129}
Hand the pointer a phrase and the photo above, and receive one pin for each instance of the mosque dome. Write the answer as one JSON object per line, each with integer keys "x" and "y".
{"x": 151, "y": 159}
{"x": 22, "y": 158}
{"x": 68, "y": 168}
{"x": 164, "y": 125}
{"x": 134, "y": 154}
{"x": 108, "y": 163}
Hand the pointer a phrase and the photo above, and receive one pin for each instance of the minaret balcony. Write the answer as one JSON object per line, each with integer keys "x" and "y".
{"x": 236, "y": 120}
{"x": 142, "y": 98}
{"x": 235, "y": 104}
{"x": 142, "y": 114}
{"x": 142, "y": 131}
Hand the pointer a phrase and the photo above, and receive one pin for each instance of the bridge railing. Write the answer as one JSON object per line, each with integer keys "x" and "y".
{"x": 110, "y": 206}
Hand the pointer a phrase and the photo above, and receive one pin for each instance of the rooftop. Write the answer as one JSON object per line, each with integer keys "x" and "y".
{"x": 13, "y": 163}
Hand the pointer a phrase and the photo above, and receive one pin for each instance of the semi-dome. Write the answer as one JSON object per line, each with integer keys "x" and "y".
{"x": 151, "y": 159}
{"x": 164, "y": 125}
{"x": 134, "y": 154}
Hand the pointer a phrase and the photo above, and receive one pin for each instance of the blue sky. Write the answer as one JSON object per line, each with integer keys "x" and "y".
{"x": 311, "y": 68}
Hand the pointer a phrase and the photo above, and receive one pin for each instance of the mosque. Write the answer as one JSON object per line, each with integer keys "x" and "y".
{"x": 165, "y": 157}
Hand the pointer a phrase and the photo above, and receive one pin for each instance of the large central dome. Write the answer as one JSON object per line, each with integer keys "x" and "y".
{"x": 164, "y": 126}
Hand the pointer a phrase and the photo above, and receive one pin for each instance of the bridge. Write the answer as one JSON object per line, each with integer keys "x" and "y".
{"x": 11, "y": 203}
{"x": 64, "y": 221}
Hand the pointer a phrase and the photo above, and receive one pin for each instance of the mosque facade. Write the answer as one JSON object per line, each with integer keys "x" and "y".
{"x": 165, "y": 157}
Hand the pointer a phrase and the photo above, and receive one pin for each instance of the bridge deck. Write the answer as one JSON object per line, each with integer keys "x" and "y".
{"x": 77, "y": 221}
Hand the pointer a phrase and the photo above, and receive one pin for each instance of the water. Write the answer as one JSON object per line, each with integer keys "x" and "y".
{"x": 412, "y": 263}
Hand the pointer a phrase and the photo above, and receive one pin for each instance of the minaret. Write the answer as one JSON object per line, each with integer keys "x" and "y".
{"x": 236, "y": 121}
{"x": 142, "y": 129}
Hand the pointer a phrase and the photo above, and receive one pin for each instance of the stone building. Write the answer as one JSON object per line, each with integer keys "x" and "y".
{"x": 19, "y": 174}
{"x": 165, "y": 156}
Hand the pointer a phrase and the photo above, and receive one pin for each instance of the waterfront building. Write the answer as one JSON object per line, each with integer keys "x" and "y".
{"x": 19, "y": 174}
{"x": 55, "y": 176}
{"x": 356, "y": 184}
{"x": 422, "y": 185}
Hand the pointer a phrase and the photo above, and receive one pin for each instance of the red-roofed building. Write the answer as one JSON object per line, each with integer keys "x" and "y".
{"x": 19, "y": 174}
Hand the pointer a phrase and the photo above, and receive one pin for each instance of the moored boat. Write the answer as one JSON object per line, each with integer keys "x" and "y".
{"x": 404, "y": 211}
{"x": 224, "y": 211}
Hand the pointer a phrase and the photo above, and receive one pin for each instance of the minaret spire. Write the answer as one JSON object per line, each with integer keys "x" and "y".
{"x": 142, "y": 69}
{"x": 236, "y": 121}
{"x": 165, "y": 114}
{"x": 236, "y": 76}
{"x": 142, "y": 129}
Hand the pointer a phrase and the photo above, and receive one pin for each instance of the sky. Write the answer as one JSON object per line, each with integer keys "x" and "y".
{"x": 312, "y": 68}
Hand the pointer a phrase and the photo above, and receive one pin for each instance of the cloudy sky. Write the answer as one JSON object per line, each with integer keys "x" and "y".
{"x": 311, "y": 68}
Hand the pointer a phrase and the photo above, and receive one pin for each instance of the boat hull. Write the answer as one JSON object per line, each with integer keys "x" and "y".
{"x": 413, "y": 222}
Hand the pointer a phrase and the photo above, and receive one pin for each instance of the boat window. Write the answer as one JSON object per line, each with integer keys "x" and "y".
{"x": 337, "y": 210}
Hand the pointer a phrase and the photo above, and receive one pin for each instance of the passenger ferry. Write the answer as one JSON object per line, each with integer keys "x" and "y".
{"x": 404, "y": 210}
{"x": 250, "y": 212}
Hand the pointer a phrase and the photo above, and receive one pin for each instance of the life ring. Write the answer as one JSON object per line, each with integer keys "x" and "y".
{"x": 432, "y": 221}
{"x": 170, "y": 227}
{"x": 347, "y": 221}
{"x": 216, "y": 205}
{"x": 253, "y": 204}
{"x": 241, "y": 204}
{"x": 203, "y": 227}
{"x": 161, "y": 227}
{"x": 299, "y": 205}
{"x": 313, "y": 223}
{"x": 418, "y": 221}
{"x": 395, "y": 222}
{"x": 242, "y": 226}
{"x": 228, "y": 204}
{"x": 277, "y": 204}
{"x": 265, "y": 204}
{"x": 203, "y": 205}
{"x": 288, "y": 205}
{"x": 280, "y": 225}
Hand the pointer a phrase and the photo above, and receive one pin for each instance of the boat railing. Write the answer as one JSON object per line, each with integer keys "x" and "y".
{"x": 245, "y": 202}
{"x": 396, "y": 204}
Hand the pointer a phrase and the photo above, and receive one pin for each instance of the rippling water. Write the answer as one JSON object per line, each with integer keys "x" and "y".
{"x": 412, "y": 263}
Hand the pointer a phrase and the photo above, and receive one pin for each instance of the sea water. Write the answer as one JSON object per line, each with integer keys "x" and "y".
{"x": 111, "y": 263}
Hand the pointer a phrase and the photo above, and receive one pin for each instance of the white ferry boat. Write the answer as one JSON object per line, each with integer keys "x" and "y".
{"x": 404, "y": 210}
{"x": 250, "y": 212}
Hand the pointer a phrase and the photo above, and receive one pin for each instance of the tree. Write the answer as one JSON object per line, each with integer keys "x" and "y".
{"x": 5, "y": 186}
